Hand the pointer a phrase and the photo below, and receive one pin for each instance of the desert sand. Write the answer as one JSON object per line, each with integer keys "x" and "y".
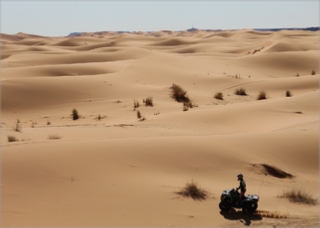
{"x": 109, "y": 168}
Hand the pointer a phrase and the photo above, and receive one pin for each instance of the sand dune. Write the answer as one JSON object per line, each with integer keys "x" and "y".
{"x": 109, "y": 168}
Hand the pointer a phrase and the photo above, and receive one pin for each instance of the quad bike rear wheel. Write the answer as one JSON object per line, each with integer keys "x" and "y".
{"x": 249, "y": 207}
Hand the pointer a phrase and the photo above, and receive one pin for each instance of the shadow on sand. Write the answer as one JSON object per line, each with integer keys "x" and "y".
{"x": 239, "y": 215}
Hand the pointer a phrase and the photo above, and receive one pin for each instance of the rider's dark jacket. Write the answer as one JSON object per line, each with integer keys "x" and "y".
{"x": 242, "y": 186}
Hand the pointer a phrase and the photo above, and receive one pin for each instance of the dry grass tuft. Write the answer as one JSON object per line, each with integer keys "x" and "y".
{"x": 136, "y": 104}
{"x": 194, "y": 191}
{"x": 75, "y": 114}
{"x": 149, "y": 101}
{"x": 313, "y": 72}
{"x": 241, "y": 92}
{"x": 179, "y": 94}
{"x": 288, "y": 93}
{"x": 139, "y": 114}
{"x": 17, "y": 128}
{"x": 299, "y": 196}
{"x": 262, "y": 95}
{"x": 12, "y": 138}
{"x": 54, "y": 136}
{"x": 276, "y": 172}
{"x": 219, "y": 96}
{"x": 99, "y": 117}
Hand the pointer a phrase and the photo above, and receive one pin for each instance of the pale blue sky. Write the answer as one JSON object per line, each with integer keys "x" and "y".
{"x": 61, "y": 17}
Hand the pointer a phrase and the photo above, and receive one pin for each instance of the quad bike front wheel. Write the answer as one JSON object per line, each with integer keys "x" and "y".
{"x": 249, "y": 207}
{"x": 224, "y": 206}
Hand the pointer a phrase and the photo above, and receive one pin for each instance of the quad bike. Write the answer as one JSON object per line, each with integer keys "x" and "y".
{"x": 230, "y": 198}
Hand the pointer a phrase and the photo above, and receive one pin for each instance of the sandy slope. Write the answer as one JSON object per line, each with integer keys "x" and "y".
{"x": 119, "y": 171}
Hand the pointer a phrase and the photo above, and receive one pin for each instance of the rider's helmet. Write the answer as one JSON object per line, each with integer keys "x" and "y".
{"x": 240, "y": 176}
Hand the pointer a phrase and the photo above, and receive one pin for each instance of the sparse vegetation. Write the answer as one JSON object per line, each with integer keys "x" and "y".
{"x": 219, "y": 96}
{"x": 194, "y": 191}
{"x": 54, "y": 136}
{"x": 288, "y": 93}
{"x": 241, "y": 92}
{"x": 12, "y": 138}
{"x": 313, "y": 72}
{"x": 99, "y": 117}
{"x": 17, "y": 128}
{"x": 139, "y": 114}
{"x": 275, "y": 172}
{"x": 140, "y": 117}
{"x": 33, "y": 124}
{"x": 48, "y": 122}
{"x": 299, "y": 196}
{"x": 262, "y": 95}
{"x": 149, "y": 101}
{"x": 179, "y": 94}
{"x": 136, "y": 104}
{"x": 75, "y": 114}
{"x": 185, "y": 107}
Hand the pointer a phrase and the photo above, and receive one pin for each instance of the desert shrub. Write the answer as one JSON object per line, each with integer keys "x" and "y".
{"x": 262, "y": 95}
{"x": 12, "y": 138}
{"x": 136, "y": 104}
{"x": 17, "y": 127}
{"x": 149, "y": 101}
{"x": 241, "y": 92}
{"x": 179, "y": 94}
{"x": 75, "y": 114}
{"x": 185, "y": 108}
{"x": 288, "y": 93}
{"x": 313, "y": 72}
{"x": 48, "y": 122}
{"x": 276, "y": 172}
{"x": 299, "y": 196}
{"x": 194, "y": 191}
{"x": 33, "y": 124}
{"x": 139, "y": 114}
{"x": 54, "y": 136}
{"x": 219, "y": 96}
{"x": 99, "y": 117}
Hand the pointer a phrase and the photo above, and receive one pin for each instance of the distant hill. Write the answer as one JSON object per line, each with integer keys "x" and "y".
{"x": 279, "y": 29}
{"x": 208, "y": 30}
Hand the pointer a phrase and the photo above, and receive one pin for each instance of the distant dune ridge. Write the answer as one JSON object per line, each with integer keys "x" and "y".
{"x": 210, "y": 30}
{"x": 113, "y": 167}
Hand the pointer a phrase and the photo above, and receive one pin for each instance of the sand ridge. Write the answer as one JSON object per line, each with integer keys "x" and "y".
{"x": 108, "y": 168}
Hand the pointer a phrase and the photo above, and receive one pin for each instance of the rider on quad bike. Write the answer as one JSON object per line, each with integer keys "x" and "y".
{"x": 242, "y": 187}
{"x": 232, "y": 198}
